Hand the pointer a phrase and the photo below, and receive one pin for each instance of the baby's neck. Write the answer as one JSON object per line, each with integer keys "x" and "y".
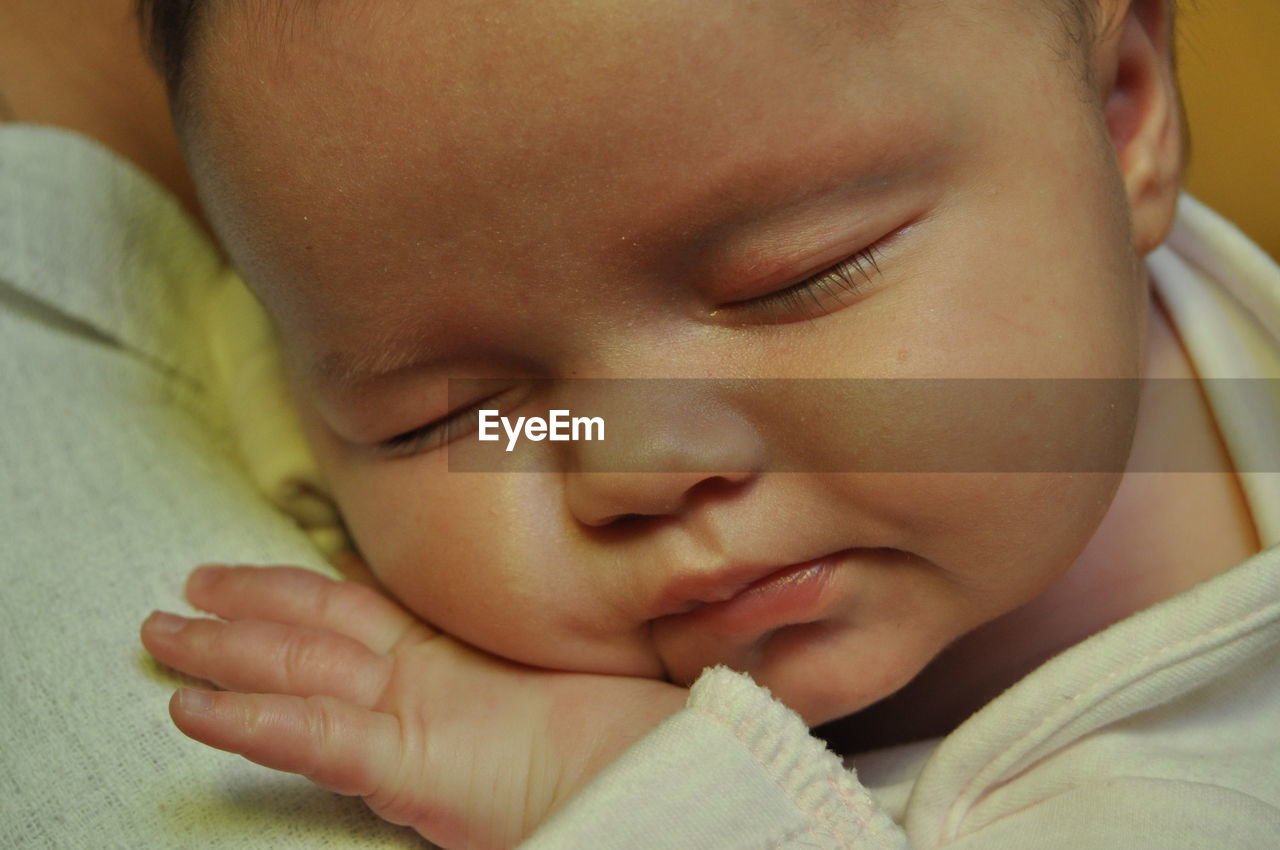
{"x": 1164, "y": 533}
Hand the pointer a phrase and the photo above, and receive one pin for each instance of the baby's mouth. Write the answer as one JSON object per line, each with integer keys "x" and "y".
{"x": 733, "y": 607}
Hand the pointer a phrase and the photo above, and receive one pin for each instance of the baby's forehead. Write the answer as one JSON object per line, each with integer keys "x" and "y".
{"x": 468, "y": 52}
{"x": 559, "y": 26}
{"x": 514, "y": 43}
{"x": 579, "y": 101}
{"x": 439, "y": 142}
{"x": 517, "y": 78}
{"x": 450, "y": 60}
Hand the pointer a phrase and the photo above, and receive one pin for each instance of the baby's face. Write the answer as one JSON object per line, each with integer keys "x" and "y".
{"x": 614, "y": 190}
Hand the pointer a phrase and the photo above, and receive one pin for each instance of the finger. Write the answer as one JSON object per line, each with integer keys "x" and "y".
{"x": 353, "y": 568}
{"x": 345, "y": 748}
{"x": 255, "y": 656}
{"x": 298, "y": 597}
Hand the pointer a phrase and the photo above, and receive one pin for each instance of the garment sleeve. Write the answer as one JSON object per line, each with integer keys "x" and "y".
{"x": 734, "y": 769}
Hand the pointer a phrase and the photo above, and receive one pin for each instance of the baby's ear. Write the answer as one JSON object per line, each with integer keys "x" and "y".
{"x": 1134, "y": 70}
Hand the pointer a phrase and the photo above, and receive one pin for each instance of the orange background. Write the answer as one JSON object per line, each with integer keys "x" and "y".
{"x": 1229, "y": 64}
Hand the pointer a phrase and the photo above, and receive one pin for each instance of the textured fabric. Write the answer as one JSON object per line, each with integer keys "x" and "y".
{"x": 1223, "y": 293}
{"x": 735, "y": 769}
{"x": 118, "y": 474}
{"x": 1160, "y": 731}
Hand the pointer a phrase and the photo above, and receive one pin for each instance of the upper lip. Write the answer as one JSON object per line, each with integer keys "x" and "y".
{"x": 691, "y": 591}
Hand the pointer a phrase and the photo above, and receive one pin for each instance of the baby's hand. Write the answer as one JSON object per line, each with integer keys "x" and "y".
{"x": 336, "y": 682}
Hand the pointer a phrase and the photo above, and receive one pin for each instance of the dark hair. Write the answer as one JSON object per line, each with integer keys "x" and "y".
{"x": 168, "y": 28}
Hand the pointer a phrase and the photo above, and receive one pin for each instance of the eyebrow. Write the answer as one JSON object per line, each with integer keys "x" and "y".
{"x": 344, "y": 370}
{"x": 764, "y": 203}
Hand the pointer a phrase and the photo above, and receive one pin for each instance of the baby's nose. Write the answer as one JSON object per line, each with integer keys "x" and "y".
{"x": 667, "y": 441}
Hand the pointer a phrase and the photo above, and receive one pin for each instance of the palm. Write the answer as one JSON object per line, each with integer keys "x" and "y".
{"x": 334, "y": 681}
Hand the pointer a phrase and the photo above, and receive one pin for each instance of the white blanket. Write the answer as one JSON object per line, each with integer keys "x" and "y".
{"x": 118, "y": 474}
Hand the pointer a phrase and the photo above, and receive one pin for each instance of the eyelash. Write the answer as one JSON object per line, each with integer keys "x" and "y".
{"x": 805, "y": 300}
{"x": 849, "y": 277}
{"x": 429, "y": 436}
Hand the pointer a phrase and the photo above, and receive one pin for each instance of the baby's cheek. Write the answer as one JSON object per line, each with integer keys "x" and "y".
{"x": 447, "y": 545}
{"x": 998, "y": 537}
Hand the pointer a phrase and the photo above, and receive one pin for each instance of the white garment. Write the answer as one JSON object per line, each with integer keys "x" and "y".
{"x": 118, "y": 475}
{"x": 1161, "y": 731}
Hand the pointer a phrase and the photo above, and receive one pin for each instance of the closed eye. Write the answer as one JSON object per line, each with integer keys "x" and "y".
{"x": 444, "y": 430}
{"x": 433, "y": 435}
{"x": 815, "y": 296}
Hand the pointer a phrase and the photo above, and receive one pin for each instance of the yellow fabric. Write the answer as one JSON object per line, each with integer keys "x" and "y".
{"x": 1229, "y": 66}
{"x": 118, "y": 476}
{"x": 264, "y": 424}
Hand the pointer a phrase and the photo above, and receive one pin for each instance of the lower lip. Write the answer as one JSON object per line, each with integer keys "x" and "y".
{"x": 790, "y": 596}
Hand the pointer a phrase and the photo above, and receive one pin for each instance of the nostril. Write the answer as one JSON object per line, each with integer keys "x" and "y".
{"x": 621, "y": 526}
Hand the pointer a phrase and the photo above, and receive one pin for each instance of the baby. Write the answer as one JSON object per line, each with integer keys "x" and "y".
{"x": 536, "y": 193}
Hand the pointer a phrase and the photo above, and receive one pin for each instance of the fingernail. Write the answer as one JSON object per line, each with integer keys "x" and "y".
{"x": 194, "y": 701}
{"x": 164, "y": 623}
{"x": 202, "y": 576}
